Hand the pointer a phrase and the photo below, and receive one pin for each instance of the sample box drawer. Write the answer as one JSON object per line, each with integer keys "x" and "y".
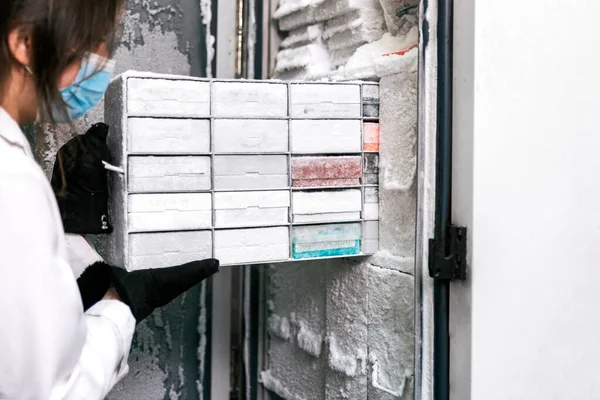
{"x": 169, "y": 212}
{"x": 329, "y": 206}
{"x": 314, "y": 241}
{"x": 249, "y": 99}
{"x": 325, "y": 136}
{"x": 371, "y": 136}
{"x": 371, "y": 169}
{"x": 241, "y": 209}
{"x": 325, "y": 101}
{"x": 371, "y": 206}
{"x": 168, "y": 136}
{"x": 370, "y": 98}
{"x": 251, "y": 172}
{"x": 160, "y": 250}
{"x": 239, "y": 246}
{"x": 168, "y": 98}
{"x": 370, "y": 237}
{"x": 169, "y": 174}
{"x": 251, "y": 136}
{"x": 326, "y": 171}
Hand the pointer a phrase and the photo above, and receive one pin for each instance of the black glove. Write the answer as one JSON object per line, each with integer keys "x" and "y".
{"x": 143, "y": 290}
{"x": 79, "y": 181}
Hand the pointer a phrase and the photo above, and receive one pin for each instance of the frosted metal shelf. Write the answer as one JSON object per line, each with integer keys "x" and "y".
{"x": 237, "y": 117}
{"x": 347, "y": 221}
{"x": 207, "y": 191}
{"x": 174, "y": 77}
{"x": 288, "y": 260}
{"x": 317, "y": 188}
{"x": 251, "y": 190}
{"x": 170, "y": 154}
{"x": 344, "y": 154}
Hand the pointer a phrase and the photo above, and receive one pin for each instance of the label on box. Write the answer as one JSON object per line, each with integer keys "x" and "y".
{"x": 250, "y": 99}
{"x": 325, "y": 101}
{"x": 371, "y": 136}
{"x": 168, "y": 98}
{"x": 325, "y": 136}
{"x": 251, "y": 136}
{"x": 163, "y": 136}
{"x": 169, "y": 174}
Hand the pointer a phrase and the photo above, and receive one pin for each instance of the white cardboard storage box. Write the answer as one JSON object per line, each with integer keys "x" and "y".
{"x": 330, "y": 171}
{"x": 168, "y": 98}
{"x": 251, "y": 172}
{"x": 242, "y": 209}
{"x": 249, "y": 99}
{"x": 325, "y": 101}
{"x": 159, "y": 250}
{"x": 169, "y": 212}
{"x": 256, "y": 245}
{"x": 371, "y": 206}
{"x": 251, "y": 136}
{"x": 169, "y": 174}
{"x": 326, "y": 136}
{"x": 326, "y": 206}
{"x": 168, "y": 136}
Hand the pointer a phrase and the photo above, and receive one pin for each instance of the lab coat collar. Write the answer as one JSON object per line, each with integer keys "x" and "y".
{"x": 11, "y": 132}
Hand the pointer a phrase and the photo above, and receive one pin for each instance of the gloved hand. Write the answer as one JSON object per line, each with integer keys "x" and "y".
{"x": 143, "y": 290}
{"x": 79, "y": 181}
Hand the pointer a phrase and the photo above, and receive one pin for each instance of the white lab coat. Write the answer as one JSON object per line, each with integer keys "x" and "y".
{"x": 49, "y": 349}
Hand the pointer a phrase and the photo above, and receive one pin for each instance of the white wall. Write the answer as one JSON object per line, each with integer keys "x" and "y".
{"x": 534, "y": 126}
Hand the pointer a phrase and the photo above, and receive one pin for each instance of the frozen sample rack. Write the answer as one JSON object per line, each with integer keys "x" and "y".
{"x": 244, "y": 171}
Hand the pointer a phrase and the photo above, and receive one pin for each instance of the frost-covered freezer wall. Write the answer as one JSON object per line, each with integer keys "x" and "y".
{"x": 252, "y": 171}
{"x": 344, "y": 328}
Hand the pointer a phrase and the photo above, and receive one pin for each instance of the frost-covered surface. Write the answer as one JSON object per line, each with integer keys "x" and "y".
{"x": 309, "y": 341}
{"x": 367, "y": 319}
{"x": 391, "y": 327}
{"x": 400, "y": 14}
{"x": 303, "y": 36}
{"x": 362, "y": 309}
{"x": 350, "y": 26}
{"x": 206, "y": 10}
{"x": 387, "y": 56}
{"x": 279, "y": 326}
{"x": 312, "y": 59}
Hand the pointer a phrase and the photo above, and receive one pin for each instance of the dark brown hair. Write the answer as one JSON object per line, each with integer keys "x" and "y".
{"x": 63, "y": 31}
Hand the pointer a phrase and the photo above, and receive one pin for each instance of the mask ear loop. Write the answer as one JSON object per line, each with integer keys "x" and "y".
{"x": 29, "y": 70}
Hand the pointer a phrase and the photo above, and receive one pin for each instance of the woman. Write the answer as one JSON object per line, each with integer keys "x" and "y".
{"x": 54, "y": 66}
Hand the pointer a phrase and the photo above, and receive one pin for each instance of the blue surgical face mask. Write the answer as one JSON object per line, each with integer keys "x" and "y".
{"x": 87, "y": 89}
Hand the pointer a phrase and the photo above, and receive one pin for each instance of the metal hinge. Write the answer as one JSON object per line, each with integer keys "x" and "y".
{"x": 451, "y": 266}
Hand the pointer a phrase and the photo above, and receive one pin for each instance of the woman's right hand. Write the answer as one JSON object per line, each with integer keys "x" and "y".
{"x": 142, "y": 290}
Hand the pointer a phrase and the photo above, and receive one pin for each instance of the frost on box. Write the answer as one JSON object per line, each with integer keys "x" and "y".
{"x": 246, "y": 171}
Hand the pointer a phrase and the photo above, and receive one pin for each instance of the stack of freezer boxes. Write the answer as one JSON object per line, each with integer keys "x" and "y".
{"x": 244, "y": 171}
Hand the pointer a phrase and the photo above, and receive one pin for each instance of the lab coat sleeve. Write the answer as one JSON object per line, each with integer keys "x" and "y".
{"x": 50, "y": 348}
{"x": 80, "y": 253}
{"x": 103, "y": 359}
